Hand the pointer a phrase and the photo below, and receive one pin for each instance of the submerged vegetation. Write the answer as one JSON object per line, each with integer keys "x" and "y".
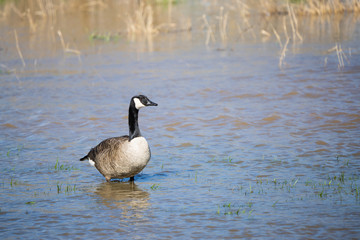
{"x": 235, "y": 209}
{"x": 155, "y": 186}
{"x": 336, "y": 188}
{"x": 63, "y": 167}
{"x": 247, "y": 198}
{"x": 68, "y": 188}
{"x": 104, "y": 37}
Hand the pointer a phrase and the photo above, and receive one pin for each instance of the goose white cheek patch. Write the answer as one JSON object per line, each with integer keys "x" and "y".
{"x": 138, "y": 104}
{"x": 92, "y": 163}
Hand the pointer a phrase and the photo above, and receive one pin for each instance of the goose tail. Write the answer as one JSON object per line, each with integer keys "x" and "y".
{"x": 84, "y": 158}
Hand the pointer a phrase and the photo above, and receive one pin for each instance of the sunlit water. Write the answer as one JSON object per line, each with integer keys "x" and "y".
{"x": 240, "y": 147}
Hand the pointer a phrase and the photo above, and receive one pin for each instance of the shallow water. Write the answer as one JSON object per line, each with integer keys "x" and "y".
{"x": 240, "y": 147}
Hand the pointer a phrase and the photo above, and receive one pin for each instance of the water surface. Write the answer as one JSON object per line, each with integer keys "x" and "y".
{"x": 241, "y": 148}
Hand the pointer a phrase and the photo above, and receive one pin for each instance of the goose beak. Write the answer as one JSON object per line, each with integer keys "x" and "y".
{"x": 150, "y": 103}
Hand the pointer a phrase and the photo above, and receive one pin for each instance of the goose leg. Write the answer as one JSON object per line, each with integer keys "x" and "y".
{"x": 132, "y": 179}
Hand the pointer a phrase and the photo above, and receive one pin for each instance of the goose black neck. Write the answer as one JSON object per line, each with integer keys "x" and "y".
{"x": 134, "y": 130}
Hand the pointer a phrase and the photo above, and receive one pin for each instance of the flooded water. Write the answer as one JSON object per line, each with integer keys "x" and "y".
{"x": 241, "y": 147}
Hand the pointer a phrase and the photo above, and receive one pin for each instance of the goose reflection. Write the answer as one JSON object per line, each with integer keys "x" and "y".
{"x": 125, "y": 196}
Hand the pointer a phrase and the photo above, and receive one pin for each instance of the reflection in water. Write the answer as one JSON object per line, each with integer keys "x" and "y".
{"x": 125, "y": 196}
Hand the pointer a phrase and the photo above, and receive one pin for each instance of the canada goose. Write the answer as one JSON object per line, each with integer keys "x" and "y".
{"x": 125, "y": 156}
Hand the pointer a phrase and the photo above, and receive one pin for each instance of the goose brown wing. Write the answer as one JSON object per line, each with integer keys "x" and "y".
{"x": 107, "y": 147}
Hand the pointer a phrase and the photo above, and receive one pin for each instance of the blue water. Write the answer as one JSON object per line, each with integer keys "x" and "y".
{"x": 240, "y": 147}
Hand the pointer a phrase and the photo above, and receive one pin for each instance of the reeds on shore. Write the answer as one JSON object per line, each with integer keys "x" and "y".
{"x": 142, "y": 20}
{"x": 141, "y": 16}
{"x": 303, "y": 7}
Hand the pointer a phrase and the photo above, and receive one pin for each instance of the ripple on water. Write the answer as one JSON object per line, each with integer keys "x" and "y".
{"x": 240, "y": 148}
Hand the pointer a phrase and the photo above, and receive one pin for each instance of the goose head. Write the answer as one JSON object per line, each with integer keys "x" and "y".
{"x": 141, "y": 101}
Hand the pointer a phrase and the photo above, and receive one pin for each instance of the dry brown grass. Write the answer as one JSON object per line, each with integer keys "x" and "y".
{"x": 341, "y": 56}
{"x": 141, "y": 21}
{"x": 18, "y": 48}
{"x": 66, "y": 47}
{"x": 209, "y": 32}
{"x": 304, "y": 7}
{"x": 324, "y": 7}
{"x": 222, "y": 22}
